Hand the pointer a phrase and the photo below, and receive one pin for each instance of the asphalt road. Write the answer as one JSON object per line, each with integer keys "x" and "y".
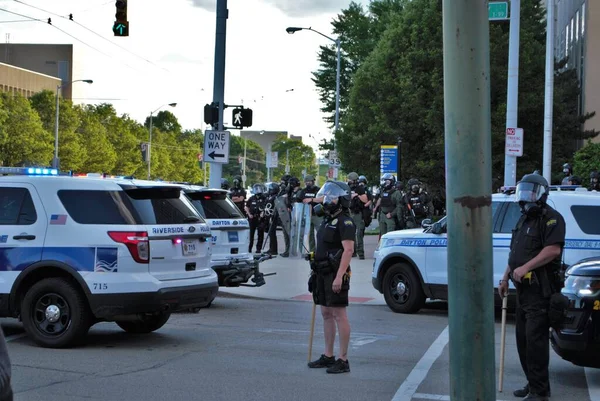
{"x": 244, "y": 349}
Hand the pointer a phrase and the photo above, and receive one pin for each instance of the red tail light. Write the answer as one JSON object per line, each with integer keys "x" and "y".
{"x": 136, "y": 241}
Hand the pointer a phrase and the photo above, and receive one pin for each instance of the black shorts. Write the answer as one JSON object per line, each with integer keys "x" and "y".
{"x": 323, "y": 291}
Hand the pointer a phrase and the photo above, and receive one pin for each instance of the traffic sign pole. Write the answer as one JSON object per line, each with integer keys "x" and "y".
{"x": 216, "y": 169}
{"x": 512, "y": 101}
{"x": 547, "y": 161}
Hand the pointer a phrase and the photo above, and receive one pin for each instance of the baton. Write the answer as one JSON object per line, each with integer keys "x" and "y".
{"x": 502, "y": 342}
{"x": 312, "y": 331}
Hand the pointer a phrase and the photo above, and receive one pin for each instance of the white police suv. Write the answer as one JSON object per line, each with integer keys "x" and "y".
{"x": 235, "y": 266}
{"x": 411, "y": 265}
{"x": 76, "y": 251}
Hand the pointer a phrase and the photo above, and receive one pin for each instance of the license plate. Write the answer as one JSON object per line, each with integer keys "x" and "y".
{"x": 189, "y": 247}
{"x": 233, "y": 236}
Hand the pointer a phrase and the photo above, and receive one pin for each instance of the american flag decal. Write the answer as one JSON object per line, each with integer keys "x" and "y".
{"x": 58, "y": 219}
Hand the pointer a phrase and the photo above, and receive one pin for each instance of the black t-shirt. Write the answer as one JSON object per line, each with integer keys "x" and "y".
{"x": 331, "y": 233}
{"x": 534, "y": 234}
{"x": 235, "y": 192}
{"x": 255, "y": 204}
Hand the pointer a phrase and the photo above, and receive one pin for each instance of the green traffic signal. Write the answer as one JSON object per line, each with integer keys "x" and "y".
{"x": 121, "y": 28}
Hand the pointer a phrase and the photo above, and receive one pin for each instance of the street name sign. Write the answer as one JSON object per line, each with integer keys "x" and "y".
{"x": 216, "y": 147}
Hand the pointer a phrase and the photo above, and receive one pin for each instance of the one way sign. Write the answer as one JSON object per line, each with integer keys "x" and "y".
{"x": 216, "y": 146}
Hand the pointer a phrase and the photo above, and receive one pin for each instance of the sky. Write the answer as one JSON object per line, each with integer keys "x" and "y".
{"x": 169, "y": 56}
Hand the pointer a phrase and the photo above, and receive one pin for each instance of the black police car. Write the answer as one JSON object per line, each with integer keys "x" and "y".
{"x": 579, "y": 339}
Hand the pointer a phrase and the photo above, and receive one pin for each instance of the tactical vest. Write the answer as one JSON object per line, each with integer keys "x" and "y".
{"x": 255, "y": 205}
{"x": 386, "y": 199}
{"x": 416, "y": 203}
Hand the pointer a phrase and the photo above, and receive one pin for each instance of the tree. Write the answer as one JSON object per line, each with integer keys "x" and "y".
{"x": 164, "y": 121}
{"x": 23, "y": 140}
{"x": 587, "y": 159}
{"x": 255, "y": 161}
{"x": 101, "y": 155}
{"x": 301, "y": 157}
{"x": 71, "y": 151}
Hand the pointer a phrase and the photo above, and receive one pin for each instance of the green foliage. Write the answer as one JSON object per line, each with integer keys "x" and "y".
{"x": 586, "y": 160}
{"x": 23, "y": 140}
{"x": 301, "y": 157}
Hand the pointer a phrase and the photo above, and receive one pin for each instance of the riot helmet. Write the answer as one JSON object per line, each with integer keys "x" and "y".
{"x": 273, "y": 188}
{"x": 224, "y": 183}
{"x": 399, "y": 185}
{"x": 532, "y": 193}
{"x": 575, "y": 180}
{"x": 595, "y": 180}
{"x": 362, "y": 180}
{"x": 259, "y": 189}
{"x": 309, "y": 181}
{"x": 567, "y": 169}
{"x": 414, "y": 185}
{"x": 537, "y": 172}
{"x": 237, "y": 181}
{"x": 388, "y": 180}
{"x": 293, "y": 182}
{"x": 284, "y": 180}
{"x": 336, "y": 197}
{"x": 352, "y": 178}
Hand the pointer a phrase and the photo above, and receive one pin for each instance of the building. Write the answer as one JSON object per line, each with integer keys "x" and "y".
{"x": 52, "y": 60}
{"x": 577, "y": 36}
{"x": 18, "y": 80}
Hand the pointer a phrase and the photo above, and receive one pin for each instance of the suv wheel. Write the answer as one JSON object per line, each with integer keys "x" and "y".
{"x": 402, "y": 289}
{"x": 145, "y": 322}
{"x": 55, "y": 313}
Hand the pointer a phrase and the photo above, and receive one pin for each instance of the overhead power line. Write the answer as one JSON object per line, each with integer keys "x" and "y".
{"x": 71, "y": 18}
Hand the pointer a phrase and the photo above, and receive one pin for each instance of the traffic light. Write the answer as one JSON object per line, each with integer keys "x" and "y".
{"x": 121, "y": 25}
{"x": 211, "y": 114}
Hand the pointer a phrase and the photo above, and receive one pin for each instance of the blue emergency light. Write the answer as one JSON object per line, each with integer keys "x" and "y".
{"x": 28, "y": 171}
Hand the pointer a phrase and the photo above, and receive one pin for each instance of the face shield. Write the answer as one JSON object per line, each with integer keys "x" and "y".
{"x": 258, "y": 190}
{"x": 330, "y": 193}
{"x": 529, "y": 192}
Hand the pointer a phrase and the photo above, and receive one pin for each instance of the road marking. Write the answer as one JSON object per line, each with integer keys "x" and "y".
{"x": 592, "y": 376}
{"x": 437, "y": 397}
{"x": 15, "y": 337}
{"x": 408, "y": 389}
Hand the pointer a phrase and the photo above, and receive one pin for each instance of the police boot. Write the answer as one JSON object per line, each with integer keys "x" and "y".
{"x": 535, "y": 397}
{"x": 522, "y": 392}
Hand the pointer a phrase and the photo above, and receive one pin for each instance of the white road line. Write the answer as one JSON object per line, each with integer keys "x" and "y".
{"x": 408, "y": 389}
{"x": 436, "y": 397}
{"x": 592, "y": 376}
{"x": 15, "y": 337}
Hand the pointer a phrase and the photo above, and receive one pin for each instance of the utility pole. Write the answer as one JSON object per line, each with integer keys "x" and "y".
{"x": 468, "y": 190}
{"x": 216, "y": 169}
{"x": 512, "y": 101}
{"x": 549, "y": 101}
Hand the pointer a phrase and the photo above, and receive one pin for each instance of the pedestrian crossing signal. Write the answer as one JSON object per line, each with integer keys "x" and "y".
{"x": 242, "y": 117}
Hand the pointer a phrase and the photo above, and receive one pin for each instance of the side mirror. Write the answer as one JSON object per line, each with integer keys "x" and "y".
{"x": 426, "y": 223}
{"x": 436, "y": 228}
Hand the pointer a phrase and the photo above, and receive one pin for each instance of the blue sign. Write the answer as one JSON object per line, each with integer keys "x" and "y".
{"x": 389, "y": 159}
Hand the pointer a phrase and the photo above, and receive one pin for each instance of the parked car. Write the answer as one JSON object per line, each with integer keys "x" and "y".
{"x": 578, "y": 341}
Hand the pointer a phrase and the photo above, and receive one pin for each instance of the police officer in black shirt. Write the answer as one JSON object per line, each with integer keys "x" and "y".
{"x": 238, "y": 194}
{"x": 255, "y": 208}
{"x": 417, "y": 204}
{"x": 534, "y": 263}
{"x": 359, "y": 197}
{"x": 271, "y": 213}
{"x": 594, "y": 181}
{"x": 330, "y": 278}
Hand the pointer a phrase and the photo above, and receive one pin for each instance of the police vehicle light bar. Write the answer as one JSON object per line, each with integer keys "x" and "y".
{"x": 28, "y": 171}
{"x": 551, "y": 187}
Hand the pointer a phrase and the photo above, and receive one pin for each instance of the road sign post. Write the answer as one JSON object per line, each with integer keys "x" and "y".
{"x": 389, "y": 159}
{"x": 216, "y": 146}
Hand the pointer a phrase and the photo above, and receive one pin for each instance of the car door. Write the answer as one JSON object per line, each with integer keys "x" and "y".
{"x": 509, "y": 216}
{"x": 437, "y": 251}
{"x": 23, "y": 224}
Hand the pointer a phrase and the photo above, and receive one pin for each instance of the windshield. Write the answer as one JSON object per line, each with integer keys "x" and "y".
{"x": 215, "y": 205}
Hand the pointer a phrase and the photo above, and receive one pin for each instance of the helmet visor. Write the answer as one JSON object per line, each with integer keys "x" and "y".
{"x": 529, "y": 192}
{"x": 330, "y": 192}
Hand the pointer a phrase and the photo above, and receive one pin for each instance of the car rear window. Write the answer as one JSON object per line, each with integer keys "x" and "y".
{"x": 214, "y": 205}
{"x": 156, "y": 205}
{"x": 587, "y": 218}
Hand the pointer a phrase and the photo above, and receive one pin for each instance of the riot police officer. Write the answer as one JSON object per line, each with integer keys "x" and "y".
{"x": 271, "y": 213}
{"x": 400, "y": 218}
{"x": 368, "y": 209}
{"x": 224, "y": 184}
{"x": 359, "y": 198}
{"x": 416, "y": 204}
{"x": 255, "y": 208}
{"x": 308, "y": 195}
{"x": 594, "y": 181}
{"x": 534, "y": 263}
{"x": 238, "y": 194}
{"x": 567, "y": 173}
{"x": 388, "y": 204}
{"x": 330, "y": 278}
{"x": 284, "y": 197}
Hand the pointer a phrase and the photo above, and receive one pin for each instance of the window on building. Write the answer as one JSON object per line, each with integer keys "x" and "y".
{"x": 572, "y": 29}
{"x": 567, "y": 41}
{"x": 583, "y": 18}
{"x": 577, "y": 25}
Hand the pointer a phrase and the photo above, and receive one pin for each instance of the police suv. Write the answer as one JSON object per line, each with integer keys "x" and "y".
{"x": 76, "y": 251}
{"x": 235, "y": 266}
{"x": 411, "y": 265}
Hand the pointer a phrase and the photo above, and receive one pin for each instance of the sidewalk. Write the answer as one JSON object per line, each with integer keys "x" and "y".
{"x": 291, "y": 280}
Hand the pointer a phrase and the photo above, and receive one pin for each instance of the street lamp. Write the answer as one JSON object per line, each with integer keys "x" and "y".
{"x": 291, "y": 30}
{"x": 55, "y": 161}
{"x": 148, "y": 152}
{"x": 244, "y": 165}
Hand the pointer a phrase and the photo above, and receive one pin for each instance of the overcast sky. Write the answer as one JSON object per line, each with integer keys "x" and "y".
{"x": 169, "y": 56}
